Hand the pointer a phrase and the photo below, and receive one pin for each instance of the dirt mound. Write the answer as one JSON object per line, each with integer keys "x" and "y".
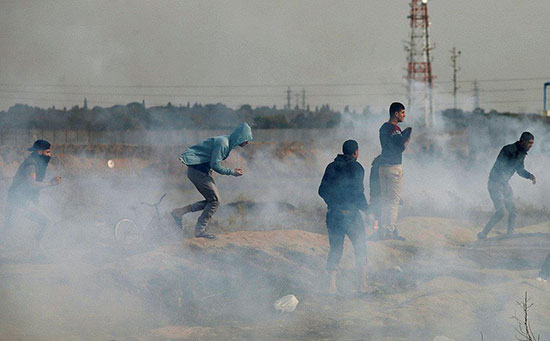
{"x": 440, "y": 231}
{"x": 208, "y": 289}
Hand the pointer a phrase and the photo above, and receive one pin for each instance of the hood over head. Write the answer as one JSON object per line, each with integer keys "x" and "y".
{"x": 241, "y": 134}
{"x": 342, "y": 159}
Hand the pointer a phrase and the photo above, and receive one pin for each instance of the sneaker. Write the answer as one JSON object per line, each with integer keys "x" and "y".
{"x": 509, "y": 232}
{"x": 177, "y": 219}
{"x": 204, "y": 234}
{"x": 481, "y": 236}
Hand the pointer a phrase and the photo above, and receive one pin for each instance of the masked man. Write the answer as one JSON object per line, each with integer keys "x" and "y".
{"x": 25, "y": 188}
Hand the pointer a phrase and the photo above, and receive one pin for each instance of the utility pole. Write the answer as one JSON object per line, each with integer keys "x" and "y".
{"x": 476, "y": 96}
{"x": 419, "y": 67}
{"x": 454, "y": 56}
{"x": 303, "y": 99}
{"x": 288, "y": 92}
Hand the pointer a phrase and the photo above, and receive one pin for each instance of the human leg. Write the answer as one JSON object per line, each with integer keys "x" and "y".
{"x": 385, "y": 209}
{"x": 355, "y": 230}
{"x": 508, "y": 198}
{"x": 495, "y": 192}
{"x": 34, "y": 214}
{"x": 9, "y": 220}
{"x": 178, "y": 213}
{"x": 207, "y": 187}
{"x": 336, "y": 247}
{"x": 391, "y": 182}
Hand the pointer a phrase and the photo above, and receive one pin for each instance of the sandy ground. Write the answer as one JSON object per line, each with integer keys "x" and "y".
{"x": 440, "y": 282}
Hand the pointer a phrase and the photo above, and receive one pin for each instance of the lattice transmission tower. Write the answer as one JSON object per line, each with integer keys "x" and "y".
{"x": 419, "y": 68}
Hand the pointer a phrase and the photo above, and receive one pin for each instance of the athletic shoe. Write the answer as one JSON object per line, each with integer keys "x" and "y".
{"x": 204, "y": 234}
{"x": 481, "y": 236}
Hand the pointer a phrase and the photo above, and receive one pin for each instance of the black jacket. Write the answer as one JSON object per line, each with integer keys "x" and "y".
{"x": 509, "y": 160}
{"x": 342, "y": 184}
{"x": 21, "y": 190}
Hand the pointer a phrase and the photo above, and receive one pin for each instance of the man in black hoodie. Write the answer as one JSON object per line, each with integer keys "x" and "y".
{"x": 25, "y": 187}
{"x": 509, "y": 161}
{"x": 343, "y": 191}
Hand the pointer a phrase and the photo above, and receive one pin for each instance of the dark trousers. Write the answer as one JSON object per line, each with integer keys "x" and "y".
{"x": 339, "y": 224}
{"x": 205, "y": 184}
{"x": 503, "y": 198}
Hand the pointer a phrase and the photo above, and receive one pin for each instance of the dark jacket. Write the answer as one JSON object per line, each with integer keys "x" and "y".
{"x": 509, "y": 160}
{"x": 392, "y": 141}
{"x": 374, "y": 179}
{"x": 22, "y": 190}
{"x": 342, "y": 184}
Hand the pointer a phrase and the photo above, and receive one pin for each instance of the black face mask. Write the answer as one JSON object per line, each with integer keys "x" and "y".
{"x": 42, "y": 163}
{"x": 45, "y": 158}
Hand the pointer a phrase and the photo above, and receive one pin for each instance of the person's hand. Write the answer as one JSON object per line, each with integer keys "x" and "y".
{"x": 533, "y": 179}
{"x": 56, "y": 181}
{"x": 238, "y": 172}
{"x": 408, "y": 131}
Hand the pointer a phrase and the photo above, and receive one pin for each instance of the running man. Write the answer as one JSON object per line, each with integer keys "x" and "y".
{"x": 509, "y": 161}
{"x": 25, "y": 187}
{"x": 201, "y": 160}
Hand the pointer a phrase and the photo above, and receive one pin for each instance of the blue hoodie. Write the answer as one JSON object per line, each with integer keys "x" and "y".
{"x": 216, "y": 149}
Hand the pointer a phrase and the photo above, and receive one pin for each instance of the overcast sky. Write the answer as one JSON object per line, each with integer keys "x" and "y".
{"x": 58, "y": 52}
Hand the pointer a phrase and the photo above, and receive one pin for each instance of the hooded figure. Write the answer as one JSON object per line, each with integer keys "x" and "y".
{"x": 343, "y": 191}
{"x": 201, "y": 159}
{"x": 25, "y": 187}
{"x": 216, "y": 149}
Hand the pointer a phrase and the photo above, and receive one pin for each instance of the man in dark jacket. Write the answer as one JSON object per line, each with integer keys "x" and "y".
{"x": 343, "y": 191}
{"x": 509, "y": 161}
{"x": 25, "y": 187}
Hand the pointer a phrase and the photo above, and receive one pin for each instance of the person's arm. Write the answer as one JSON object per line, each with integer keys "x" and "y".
{"x": 358, "y": 189}
{"x": 399, "y": 140}
{"x": 31, "y": 178}
{"x": 406, "y": 136}
{"x": 217, "y": 158}
{"x": 324, "y": 188}
{"x": 523, "y": 173}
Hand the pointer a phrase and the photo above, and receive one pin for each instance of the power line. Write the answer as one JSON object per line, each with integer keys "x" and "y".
{"x": 271, "y": 95}
{"x": 198, "y": 86}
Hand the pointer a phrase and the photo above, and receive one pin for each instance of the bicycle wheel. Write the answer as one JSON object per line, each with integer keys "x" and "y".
{"x": 126, "y": 231}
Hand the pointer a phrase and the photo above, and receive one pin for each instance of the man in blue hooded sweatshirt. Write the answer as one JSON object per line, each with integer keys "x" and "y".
{"x": 201, "y": 160}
